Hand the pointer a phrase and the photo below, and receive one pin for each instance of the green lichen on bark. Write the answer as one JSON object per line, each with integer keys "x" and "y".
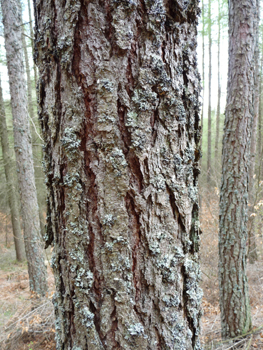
{"x": 121, "y": 125}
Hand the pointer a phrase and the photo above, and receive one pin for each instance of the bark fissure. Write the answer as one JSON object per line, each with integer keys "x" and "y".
{"x": 134, "y": 224}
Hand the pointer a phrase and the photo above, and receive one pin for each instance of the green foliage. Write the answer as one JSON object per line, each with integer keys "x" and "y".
{"x": 206, "y": 22}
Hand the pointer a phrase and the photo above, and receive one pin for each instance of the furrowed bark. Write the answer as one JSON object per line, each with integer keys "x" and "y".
{"x": 234, "y": 298}
{"x": 23, "y": 149}
{"x": 118, "y": 104}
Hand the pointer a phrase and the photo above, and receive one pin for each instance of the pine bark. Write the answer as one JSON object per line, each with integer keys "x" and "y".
{"x": 23, "y": 149}
{"x": 119, "y": 109}
{"x": 209, "y": 129}
{"x": 234, "y": 297}
{"x": 10, "y": 180}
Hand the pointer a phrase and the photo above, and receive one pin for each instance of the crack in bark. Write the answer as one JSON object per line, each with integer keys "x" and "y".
{"x": 134, "y": 224}
{"x": 125, "y": 134}
{"x": 90, "y": 190}
{"x": 113, "y": 329}
{"x": 130, "y": 156}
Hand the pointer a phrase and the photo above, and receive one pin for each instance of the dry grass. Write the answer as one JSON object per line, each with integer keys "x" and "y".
{"x": 32, "y": 326}
{"x": 25, "y": 323}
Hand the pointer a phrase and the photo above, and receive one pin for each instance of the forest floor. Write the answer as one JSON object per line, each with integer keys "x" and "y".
{"x": 23, "y": 327}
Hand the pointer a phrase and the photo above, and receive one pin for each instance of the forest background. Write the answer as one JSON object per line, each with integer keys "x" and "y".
{"x": 26, "y": 328}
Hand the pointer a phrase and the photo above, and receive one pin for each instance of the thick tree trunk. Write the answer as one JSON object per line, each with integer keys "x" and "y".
{"x": 234, "y": 298}
{"x": 10, "y": 180}
{"x": 118, "y": 103}
{"x": 218, "y": 86}
{"x": 209, "y": 129}
{"x": 37, "y": 151}
{"x": 12, "y": 29}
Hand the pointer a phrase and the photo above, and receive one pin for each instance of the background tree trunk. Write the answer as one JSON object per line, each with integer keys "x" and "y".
{"x": 203, "y": 68}
{"x": 118, "y": 103}
{"x": 32, "y": 39}
{"x": 209, "y": 129}
{"x": 14, "y": 52}
{"x": 218, "y": 85}
{"x": 10, "y": 180}
{"x": 252, "y": 246}
{"x": 36, "y": 149}
{"x": 234, "y": 298}
{"x": 260, "y": 151}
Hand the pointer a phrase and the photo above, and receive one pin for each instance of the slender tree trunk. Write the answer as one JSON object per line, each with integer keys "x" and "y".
{"x": 32, "y": 38}
{"x": 23, "y": 149}
{"x": 218, "y": 86}
{"x": 10, "y": 180}
{"x": 234, "y": 298}
{"x": 118, "y": 102}
{"x": 260, "y": 150}
{"x": 252, "y": 246}
{"x": 29, "y": 85}
{"x": 259, "y": 153}
{"x": 259, "y": 147}
{"x": 203, "y": 68}
{"x": 35, "y": 148}
{"x": 209, "y": 142}
{"x": 203, "y": 85}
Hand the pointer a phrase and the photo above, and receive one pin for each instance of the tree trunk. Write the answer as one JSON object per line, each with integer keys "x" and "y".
{"x": 218, "y": 86}
{"x": 10, "y": 180}
{"x": 234, "y": 298}
{"x": 32, "y": 39}
{"x": 203, "y": 69}
{"x": 35, "y": 136}
{"x": 252, "y": 246}
{"x": 260, "y": 151}
{"x": 209, "y": 142}
{"x": 118, "y": 103}
{"x": 14, "y": 52}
